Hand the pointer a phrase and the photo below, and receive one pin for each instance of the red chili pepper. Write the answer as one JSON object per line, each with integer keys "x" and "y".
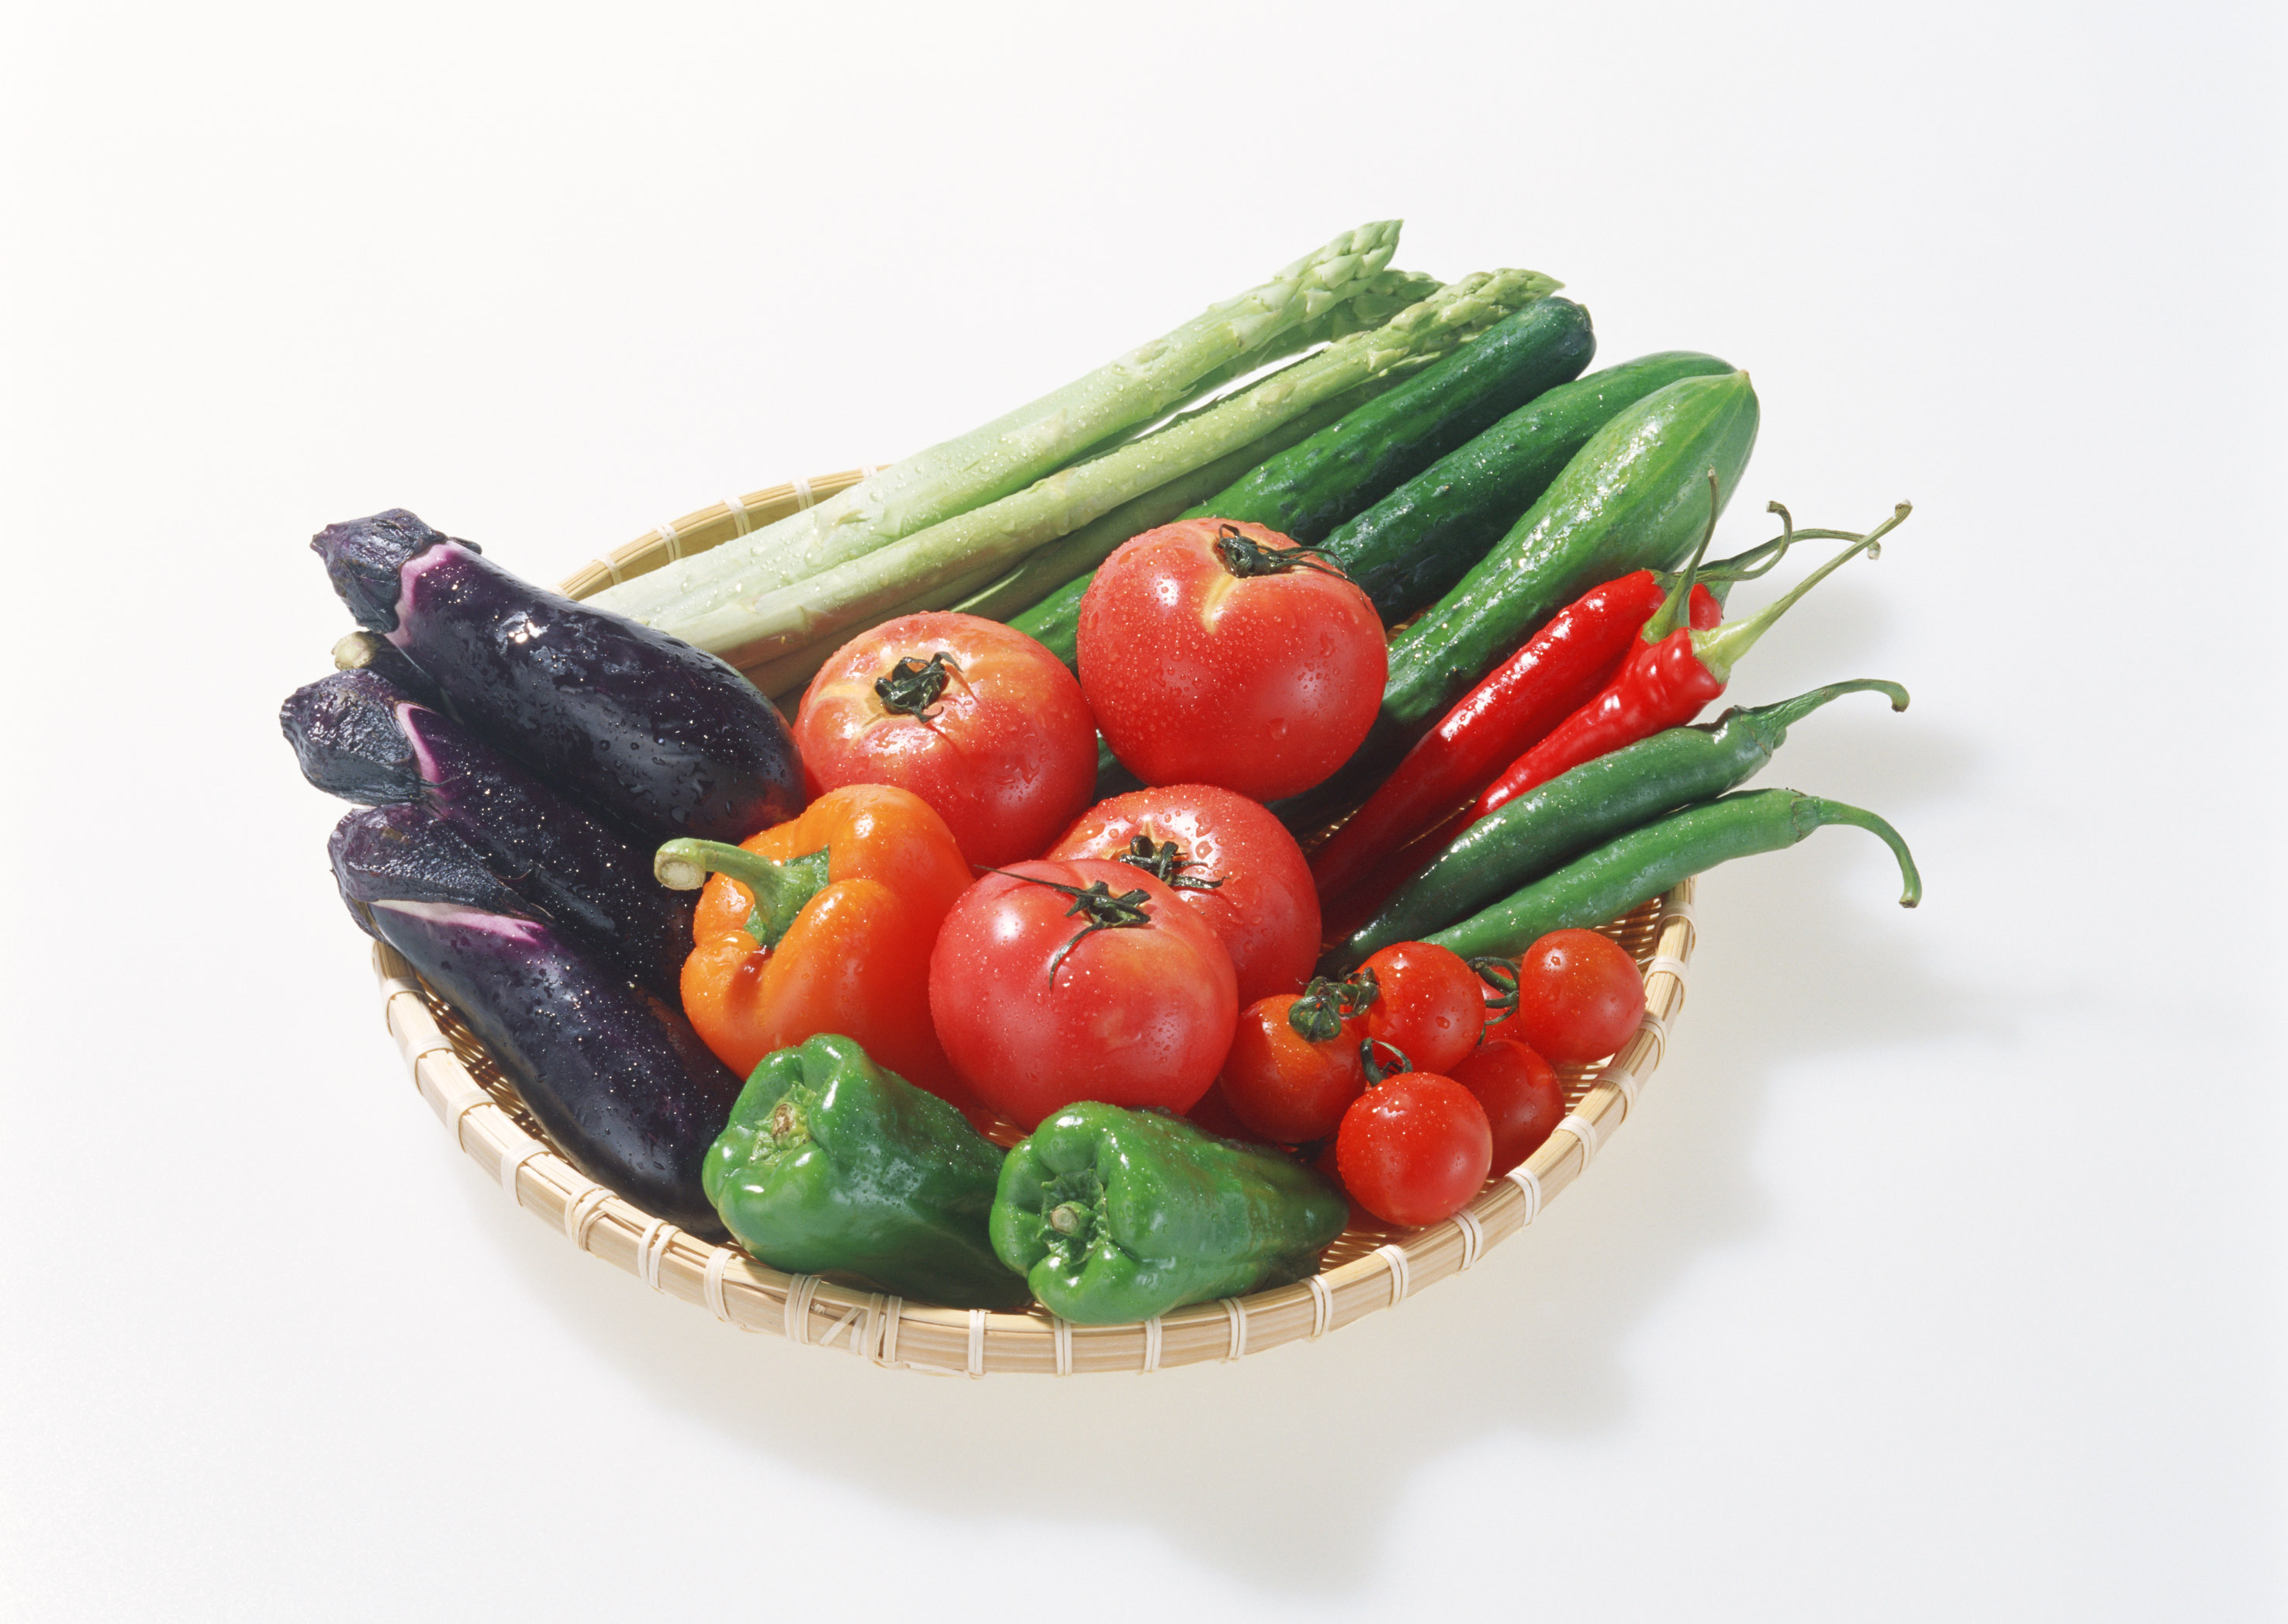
{"x": 1672, "y": 672}
{"x": 1560, "y": 667}
{"x": 1664, "y": 679}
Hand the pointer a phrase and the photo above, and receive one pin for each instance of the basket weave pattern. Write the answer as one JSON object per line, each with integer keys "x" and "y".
{"x": 1367, "y": 1268}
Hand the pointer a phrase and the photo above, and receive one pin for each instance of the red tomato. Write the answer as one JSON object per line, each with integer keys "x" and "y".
{"x": 1285, "y": 1085}
{"x": 1210, "y": 656}
{"x": 1414, "y": 1149}
{"x": 1214, "y": 1113}
{"x": 1430, "y": 1005}
{"x": 1225, "y": 856}
{"x": 1523, "y": 1098}
{"x": 976, "y": 718}
{"x": 1037, "y": 1007}
{"x": 1579, "y": 995}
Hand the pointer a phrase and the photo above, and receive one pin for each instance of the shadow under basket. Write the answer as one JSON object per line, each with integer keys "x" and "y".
{"x": 1366, "y": 1268}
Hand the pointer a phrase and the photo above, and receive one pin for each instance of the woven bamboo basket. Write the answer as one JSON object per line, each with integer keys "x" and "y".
{"x": 1368, "y": 1268}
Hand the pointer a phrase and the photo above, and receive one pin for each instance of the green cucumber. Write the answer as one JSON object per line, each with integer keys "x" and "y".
{"x": 1635, "y": 496}
{"x": 1308, "y": 489}
{"x": 1344, "y": 469}
{"x": 1408, "y": 549}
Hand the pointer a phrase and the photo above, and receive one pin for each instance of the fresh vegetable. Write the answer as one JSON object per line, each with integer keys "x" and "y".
{"x": 1345, "y": 468}
{"x": 668, "y": 739}
{"x": 1411, "y": 547}
{"x": 1559, "y": 668}
{"x": 1324, "y": 481}
{"x": 357, "y": 735}
{"x": 1414, "y": 1148}
{"x": 1226, "y": 859}
{"x": 1051, "y": 567}
{"x": 823, "y": 924}
{"x": 758, "y": 627}
{"x": 1055, "y": 982}
{"x": 618, "y": 1081}
{"x": 1581, "y": 809}
{"x": 1674, "y": 670}
{"x": 1294, "y": 1068}
{"x": 1221, "y": 653}
{"x": 976, "y": 469}
{"x": 1635, "y": 496}
{"x": 1645, "y": 862}
{"x": 1579, "y": 996}
{"x": 980, "y": 721}
{"x": 1376, "y": 299}
{"x": 833, "y": 1164}
{"x": 1116, "y": 1215}
{"x": 1520, "y": 1093}
{"x": 1425, "y": 1004}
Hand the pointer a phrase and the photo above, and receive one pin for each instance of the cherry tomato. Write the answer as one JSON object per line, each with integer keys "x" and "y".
{"x": 1215, "y": 653}
{"x": 976, "y": 718}
{"x": 1429, "y": 1006}
{"x": 1523, "y": 1098}
{"x": 1130, "y": 1001}
{"x": 1294, "y": 1068}
{"x": 1225, "y": 856}
{"x": 1579, "y": 995}
{"x": 1414, "y": 1148}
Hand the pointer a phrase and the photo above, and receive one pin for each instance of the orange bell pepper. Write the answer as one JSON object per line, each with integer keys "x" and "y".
{"x": 823, "y": 923}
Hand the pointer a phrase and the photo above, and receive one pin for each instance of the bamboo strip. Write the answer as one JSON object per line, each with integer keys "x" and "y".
{"x": 1367, "y": 1269}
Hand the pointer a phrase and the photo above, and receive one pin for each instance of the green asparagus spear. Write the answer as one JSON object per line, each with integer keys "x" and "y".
{"x": 1003, "y": 456}
{"x": 766, "y": 625}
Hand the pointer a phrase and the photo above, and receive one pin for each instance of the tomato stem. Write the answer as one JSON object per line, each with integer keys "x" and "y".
{"x": 915, "y": 684}
{"x": 1096, "y": 903}
{"x": 1501, "y": 975}
{"x": 1245, "y": 556}
{"x": 1165, "y": 862}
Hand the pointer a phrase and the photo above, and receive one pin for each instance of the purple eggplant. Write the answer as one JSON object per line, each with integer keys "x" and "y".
{"x": 618, "y": 1081}
{"x": 358, "y": 736}
{"x": 663, "y": 735}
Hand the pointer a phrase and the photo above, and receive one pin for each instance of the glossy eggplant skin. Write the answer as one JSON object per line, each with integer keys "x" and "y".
{"x": 665, "y": 736}
{"x": 618, "y": 1081}
{"x": 346, "y": 737}
{"x": 358, "y": 736}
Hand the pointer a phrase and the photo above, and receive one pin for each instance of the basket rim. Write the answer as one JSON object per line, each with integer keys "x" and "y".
{"x": 490, "y": 1127}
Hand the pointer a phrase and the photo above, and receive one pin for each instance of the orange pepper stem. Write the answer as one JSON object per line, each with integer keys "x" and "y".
{"x": 780, "y": 890}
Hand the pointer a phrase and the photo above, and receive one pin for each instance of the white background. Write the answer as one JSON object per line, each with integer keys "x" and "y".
{"x": 1941, "y": 1274}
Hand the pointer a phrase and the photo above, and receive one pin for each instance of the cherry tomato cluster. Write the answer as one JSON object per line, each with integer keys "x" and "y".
{"x": 1154, "y": 950}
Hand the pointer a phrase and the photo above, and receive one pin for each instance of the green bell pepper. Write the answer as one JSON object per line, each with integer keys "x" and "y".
{"x": 833, "y": 1165}
{"x": 1114, "y": 1216}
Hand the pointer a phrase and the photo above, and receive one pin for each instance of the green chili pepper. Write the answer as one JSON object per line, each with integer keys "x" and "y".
{"x": 1645, "y": 862}
{"x": 1579, "y": 810}
{"x": 832, "y": 1165}
{"x": 1116, "y": 1215}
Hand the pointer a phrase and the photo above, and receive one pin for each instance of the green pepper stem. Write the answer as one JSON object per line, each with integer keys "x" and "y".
{"x": 1835, "y": 811}
{"x": 1721, "y": 649}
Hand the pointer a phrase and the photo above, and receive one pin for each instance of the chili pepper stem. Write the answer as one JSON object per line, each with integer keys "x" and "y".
{"x": 1788, "y": 712}
{"x": 1676, "y": 608}
{"x": 1721, "y": 649}
{"x": 1825, "y": 812}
